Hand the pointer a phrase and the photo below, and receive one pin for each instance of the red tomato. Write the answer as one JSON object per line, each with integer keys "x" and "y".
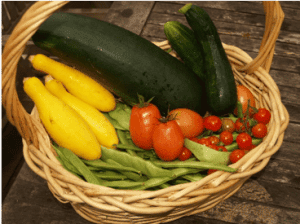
{"x": 228, "y": 125}
{"x": 236, "y": 155}
{"x": 244, "y": 141}
{"x": 210, "y": 171}
{"x": 260, "y": 130}
{"x": 239, "y": 126}
{"x": 244, "y": 94}
{"x": 226, "y": 137}
{"x": 168, "y": 140}
{"x": 185, "y": 154}
{"x": 215, "y": 147}
{"x": 190, "y": 122}
{"x": 222, "y": 148}
{"x": 204, "y": 141}
{"x": 213, "y": 123}
{"x": 143, "y": 119}
{"x": 262, "y": 116}
{"x": 214, "y": 140}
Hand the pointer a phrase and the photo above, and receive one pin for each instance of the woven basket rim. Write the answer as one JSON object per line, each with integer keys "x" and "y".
{"x": 175, "y": 201}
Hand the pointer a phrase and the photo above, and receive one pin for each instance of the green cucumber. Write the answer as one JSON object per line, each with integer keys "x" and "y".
{"x": 183, "y": 41}
{"x": 221, "y": 92}
{"x": 123, "y": 62}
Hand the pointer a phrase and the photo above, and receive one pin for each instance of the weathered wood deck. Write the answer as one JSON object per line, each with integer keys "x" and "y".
{"x": 270, "y": 196}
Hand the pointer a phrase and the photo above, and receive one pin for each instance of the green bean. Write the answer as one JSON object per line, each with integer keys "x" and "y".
{"x": 193, "y": 177}
{"x": 128, "y": 174}
{"x": 158, "y": 181}
{"x": 110, "y": 175}
{"x": 121, "y": 114}
{"x": 120, "y": 183}
{"x": 131, "y": 147}
{"x": 101, "y": 165}
{"x": 65, "y": 162}
{"x": 204, "y": 153}
{"x": 125, "y": 141}
{"x": 82, "y": 168}
{"x": 113, "y": 122}
{"x": 164, "y": 185}
{"x": 194, "y": 164}
{"x": 64, "y": 165}
{"x": 146, "y": 167}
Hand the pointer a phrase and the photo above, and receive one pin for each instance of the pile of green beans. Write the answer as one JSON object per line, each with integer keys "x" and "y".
{"x": 130, "y": 167}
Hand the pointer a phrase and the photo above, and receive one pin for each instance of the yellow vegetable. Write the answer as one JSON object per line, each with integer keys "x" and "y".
{"x": 64, "y": 124}
{"x": 77, "y": 83}
{"x": 100, "y": 125}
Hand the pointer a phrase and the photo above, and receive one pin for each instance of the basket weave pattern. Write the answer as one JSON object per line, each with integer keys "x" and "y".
{"x": 100, "y": 204}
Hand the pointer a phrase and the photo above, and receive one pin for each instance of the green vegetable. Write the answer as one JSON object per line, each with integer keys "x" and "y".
{"x": 110, "y": 175}
{"x": 125, "y": 63}
{"x": 183, "y": 41}
{"x": 113, "y": 121}
{"x": 206, "y": 154}
{"x": 121, "y": 114}
{"x": 82, "y": 168}
{"x": 137, "y": 163}
{"x": 220, "y": 88}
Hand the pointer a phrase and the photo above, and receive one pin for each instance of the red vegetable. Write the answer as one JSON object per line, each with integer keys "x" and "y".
{"x": 244, "y": 94}
{"x": 168, "y": 140}
{"x": 226, "y": 137}
{"x": 244, "y": 141}
{"x": 236, "y": 155}
{"x": 144, "y": 117}
{"x": 214, "y": 140}
{"x": 262, "y": 116}
{"x": 212, "y": 123}
{"x": 260, "y": 130}
{"x": 185, "y": 154}
{"x": 190, "y": 122}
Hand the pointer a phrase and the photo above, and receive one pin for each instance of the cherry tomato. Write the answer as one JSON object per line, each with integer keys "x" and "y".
{"x": 214, "y": 140}
{"x": 228, "y": 125}
{"x": 222, "y": 148}
{"x": 260, "y": 130}
{"x": 244, "y": 141}
{"x": 226, "y": 137}
{"x": 168, "y": 140}
{"x": 244, "y": 94}
{"x": 262, "y": 116}
{"x": 210, "y": 171}
{"x": 204, "y": 141}
{"x": 239, "y": 125}
{"x": 190, "y": 122}
{"x": 185, "y": 154}
{"x": 212, "y": 146}
{"x": 213, "y": 123}
{"x": 236, "y": 155}
{"x": 144, "y": 117}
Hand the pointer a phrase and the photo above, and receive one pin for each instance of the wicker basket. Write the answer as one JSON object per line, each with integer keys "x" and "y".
{"x": 106, "y": 205}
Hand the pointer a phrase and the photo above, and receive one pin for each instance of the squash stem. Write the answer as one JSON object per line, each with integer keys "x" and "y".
{"x": 185, "y": 8}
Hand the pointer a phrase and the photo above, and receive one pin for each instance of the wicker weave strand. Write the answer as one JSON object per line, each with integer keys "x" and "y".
{"x": 101, "y": 204}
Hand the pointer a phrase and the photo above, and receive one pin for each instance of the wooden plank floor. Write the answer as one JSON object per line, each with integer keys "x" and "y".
{"x": 270, "y": 196}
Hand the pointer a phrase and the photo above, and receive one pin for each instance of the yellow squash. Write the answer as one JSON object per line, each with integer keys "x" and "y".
{"x": 100, "y": 125}
{"x": 77, "y": 83}
{"x": 67, "y": 128}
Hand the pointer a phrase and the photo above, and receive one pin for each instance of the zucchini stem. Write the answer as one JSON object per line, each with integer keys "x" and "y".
{"x": 185, "y": 8}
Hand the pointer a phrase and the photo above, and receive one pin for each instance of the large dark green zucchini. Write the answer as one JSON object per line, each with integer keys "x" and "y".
{"x": 221, "y": 92}
{"x": 122, "y": 61}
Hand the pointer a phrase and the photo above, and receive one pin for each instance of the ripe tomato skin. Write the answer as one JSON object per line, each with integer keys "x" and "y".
{"x": 222, "y": 148}
{"x": 262, "y": 116}
{"x": 244, "y": 94}
{"x": 214, "y": 140}
{"x": 226, "y": 137}
{"x": 212, "y": 123}
{"x": 260, "y": 130}
{"x": 185, "y": 154}
{"x": 236, "y": 155}
{"x": 142, "y": 123}
{"x": 228, "y": 125}
{"x": 210, "y": 171}
{"x": 239, "y": 126}
{"x": 204, "y": 141}
{"x": 190, "y": 122}
{"x": 168, "y": 140}
{"x": 244, "y": 141}
{"x": 215, "y": 147}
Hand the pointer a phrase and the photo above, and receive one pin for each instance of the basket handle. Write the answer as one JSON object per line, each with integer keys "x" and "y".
{"x": 12, "y": 52}
{"x": 274, "y": 17}
{"x": 42, "y": 10}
